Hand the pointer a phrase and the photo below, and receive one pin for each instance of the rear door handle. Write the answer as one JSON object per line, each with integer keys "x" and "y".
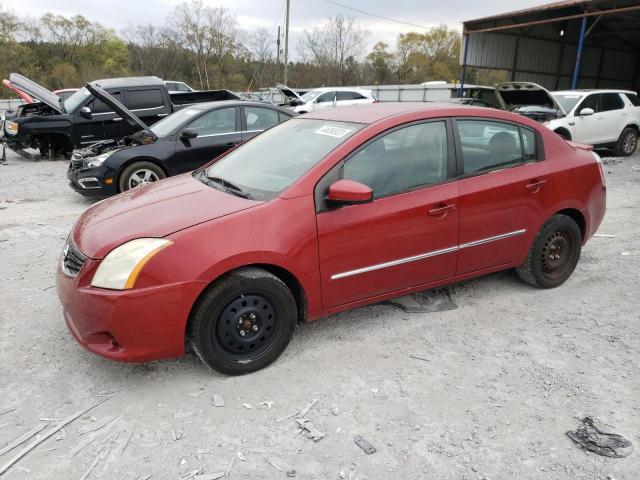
{"x": 536, "y": 185}
{"x": 441, "y": 210}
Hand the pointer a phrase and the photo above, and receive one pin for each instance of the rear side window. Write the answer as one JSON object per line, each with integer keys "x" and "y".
{"x": 402, "y": 160}
{"x": 487, "y": 145}
{"x": 143, "y": 99}
{"x": 260, "y": 118}
{"x": 633, "y": 98}
{"x": 611, "y": 101}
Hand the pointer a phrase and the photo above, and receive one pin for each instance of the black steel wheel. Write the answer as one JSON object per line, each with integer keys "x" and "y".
{"x": 554, "y": 253}
{"x": 243, "y": 322}
{"x": 627, "y": 143}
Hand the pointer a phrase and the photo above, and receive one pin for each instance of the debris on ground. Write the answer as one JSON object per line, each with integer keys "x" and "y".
{"x": 415, "y": 357}
{"x": 22, "y": 438}
{"x": 291, "y": 473}
{"x": 426, "y": 302}
{"x": 364, "y": 445}
{"x": 312, "y": 432}
{"x": 218, "y": 401}
{"x": 49, "y": 434}
{"x": 247, "y": 405}
{"x": 210, "y": 476}
{"x": 176, "y": 436}
{"x": 98, "y": 424}
{"x": 7, "y": 410}
{"x": 270, "y": 462}
{"x": 287, "y": 417}
{"x": 306, "y": 409}
{"x": 592, "y": 437}
{"x": 267, "y": 404}
{"x": 604, "y": 235}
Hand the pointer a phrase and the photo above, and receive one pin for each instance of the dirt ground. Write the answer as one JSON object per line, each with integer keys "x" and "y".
{"x": 497, "y": 383}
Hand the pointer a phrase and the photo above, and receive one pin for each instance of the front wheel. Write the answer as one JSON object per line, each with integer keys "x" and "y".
{"x": 140, "y": 173}
{"x": 554, "y": 253}
{"x": 627, "y": 142}
{"x": 243, "y": 322}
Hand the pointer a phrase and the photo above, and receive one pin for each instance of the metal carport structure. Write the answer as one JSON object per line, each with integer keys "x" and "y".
{"x": 562, "y": 45}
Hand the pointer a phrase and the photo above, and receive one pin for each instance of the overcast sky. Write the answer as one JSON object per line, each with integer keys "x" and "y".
{"x": 305, "y": 14}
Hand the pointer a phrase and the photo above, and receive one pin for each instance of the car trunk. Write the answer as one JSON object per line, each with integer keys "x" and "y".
{"x": 530, "y": 100}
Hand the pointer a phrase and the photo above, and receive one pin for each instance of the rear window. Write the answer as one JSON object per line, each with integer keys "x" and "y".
{"x": 633, "y": 98}
{"x": 142, "y": 99}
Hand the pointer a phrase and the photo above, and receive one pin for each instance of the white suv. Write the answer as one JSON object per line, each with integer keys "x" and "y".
{"x": 328, "y": 97}
{"x": 602, "y": 118}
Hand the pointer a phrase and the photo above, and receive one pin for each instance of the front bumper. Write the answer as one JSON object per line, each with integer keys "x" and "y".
{"x": 91, "y": 182}
{"x": 134, "y": 325}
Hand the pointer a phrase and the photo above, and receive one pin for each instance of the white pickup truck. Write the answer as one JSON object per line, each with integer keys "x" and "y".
{"x": 602, "y": 118}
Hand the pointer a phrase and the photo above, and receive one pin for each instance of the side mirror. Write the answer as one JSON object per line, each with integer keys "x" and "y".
{"x": 585, "y": 112}
{"x": 349, "y": 192}
{"x": 85, "y": 112}
{"x": 188, "y": 133}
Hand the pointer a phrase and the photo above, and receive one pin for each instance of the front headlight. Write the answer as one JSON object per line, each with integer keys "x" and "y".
{"x": 11, "y": 127}
{"x": 120, "y": 268}
{"x": 99, "y": 159}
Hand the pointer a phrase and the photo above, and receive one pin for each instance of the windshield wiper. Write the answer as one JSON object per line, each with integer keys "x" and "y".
{"x": 228, "y": 186}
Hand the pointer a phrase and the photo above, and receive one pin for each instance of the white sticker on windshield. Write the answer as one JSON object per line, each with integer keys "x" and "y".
{"x": 335, "y": 132}
{"x": 190, "y": 111}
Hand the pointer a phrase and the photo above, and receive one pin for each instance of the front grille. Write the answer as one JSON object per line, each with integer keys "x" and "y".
{"x": 72, "y": 260}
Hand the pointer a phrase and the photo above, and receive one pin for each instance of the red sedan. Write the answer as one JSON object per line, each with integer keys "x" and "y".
{"x": 324, "y": 213}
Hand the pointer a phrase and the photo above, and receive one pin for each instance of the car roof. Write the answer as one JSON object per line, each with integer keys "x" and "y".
{"x": 373, "y": 112}
{"x": 338, "y": 89}
{"x": 232, "y": 103}
{"x": 127, "y": 82}
{"x": 598, "y": 90}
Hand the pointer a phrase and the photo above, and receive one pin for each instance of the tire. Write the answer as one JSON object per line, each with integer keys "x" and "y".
{"x": 139, "y": 173}
{"x": 627, "y": 143}
{"x": 249, "y": 300}
{"x": 559, "y": 237}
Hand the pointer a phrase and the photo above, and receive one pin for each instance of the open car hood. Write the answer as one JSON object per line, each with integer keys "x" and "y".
{"x": 36, "y": 91}
{"x": 120, "y": 109}
{"x": 513, "y": 95}
{"x": 26, "y": 98}
{"x": 289, "y": 93}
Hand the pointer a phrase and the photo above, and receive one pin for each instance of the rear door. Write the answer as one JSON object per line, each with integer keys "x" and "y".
{"x": 408, "y": 235}
{"x": 148, "y": 103}
{"x": 504, "y": 191}
{"x": 614, "y": 116}
{"x": 256, "y": 120}
{"x": 218, "y": 131}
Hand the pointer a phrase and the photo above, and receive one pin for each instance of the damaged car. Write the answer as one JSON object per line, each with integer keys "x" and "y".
{"x": 176, "y": 144}
{"x": 601, "y": 118}
{"x": 327, "y": 97}
{"x": 55, "y": 126}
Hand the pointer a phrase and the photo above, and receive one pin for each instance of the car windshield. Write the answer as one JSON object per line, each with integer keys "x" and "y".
{"x": 307, "y": 97}
{"x": 173, "y": 122}
{"x": 567, "y": 100}
{"x": 275, "y": 159}
{"x": 75, "y": 100}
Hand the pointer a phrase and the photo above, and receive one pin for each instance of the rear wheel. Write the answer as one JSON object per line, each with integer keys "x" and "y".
{"x": 554, "y": 253}
{"x": 243, "y": 322}
{"x": 627, "y": 142}
{"x": 140, "y": 173}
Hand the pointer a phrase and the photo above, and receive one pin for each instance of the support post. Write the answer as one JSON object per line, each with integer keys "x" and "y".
{"x": 514, "y": 61}
{"x": 463, "y": 74}
{"x": 286, "y": 46}
{"x": 278, "y": 55}
{"x": 576, "y": 71}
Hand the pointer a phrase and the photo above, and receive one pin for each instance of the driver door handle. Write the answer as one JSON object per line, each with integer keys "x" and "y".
{"x": 441, "y": 209}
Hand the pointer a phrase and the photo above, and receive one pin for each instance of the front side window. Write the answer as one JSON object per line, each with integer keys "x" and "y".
{"x": 257, "y": 118}
{"x": 272, "y": 161}
{"x": 326, "y": 97}
{"x": 592, "y": 101}
{"x": 175, "y": 121}
{"x": 488, "y": 145}
{"x": 402, "y": 160}
{"x": 215, "y": 122}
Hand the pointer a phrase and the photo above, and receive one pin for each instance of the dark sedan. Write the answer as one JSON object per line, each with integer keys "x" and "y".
{"x": 176, "y": 144}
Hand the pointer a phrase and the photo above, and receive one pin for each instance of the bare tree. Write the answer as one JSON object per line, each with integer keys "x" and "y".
{"x": 222, "y": 37}
{"x": 191, "y": 22}
{"x": 262, "y": 47}
{"x": 335, "y": 46}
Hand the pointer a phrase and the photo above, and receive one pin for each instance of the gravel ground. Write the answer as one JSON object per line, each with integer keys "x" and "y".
{"x": 497, "y": 383}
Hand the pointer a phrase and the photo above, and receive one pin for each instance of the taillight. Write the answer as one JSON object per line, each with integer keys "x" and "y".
{"x": 600, "y": 167}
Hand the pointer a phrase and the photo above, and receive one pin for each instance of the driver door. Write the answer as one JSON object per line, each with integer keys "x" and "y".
{"x": 326, "y": 100}
{"x": 218, "y": 130}
{"x": 588, "y": 128}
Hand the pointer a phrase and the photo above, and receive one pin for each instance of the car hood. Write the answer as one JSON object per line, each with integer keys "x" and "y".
{"x": 513, "y": 95}
{"x": 37, "y": 91}
{"x": 120, "y": 109}
{"x": 154, "y": 210}
{"x": 289, "y": 93}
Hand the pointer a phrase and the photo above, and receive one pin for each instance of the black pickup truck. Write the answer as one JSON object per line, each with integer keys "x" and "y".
{"x": 55, "y": 126}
